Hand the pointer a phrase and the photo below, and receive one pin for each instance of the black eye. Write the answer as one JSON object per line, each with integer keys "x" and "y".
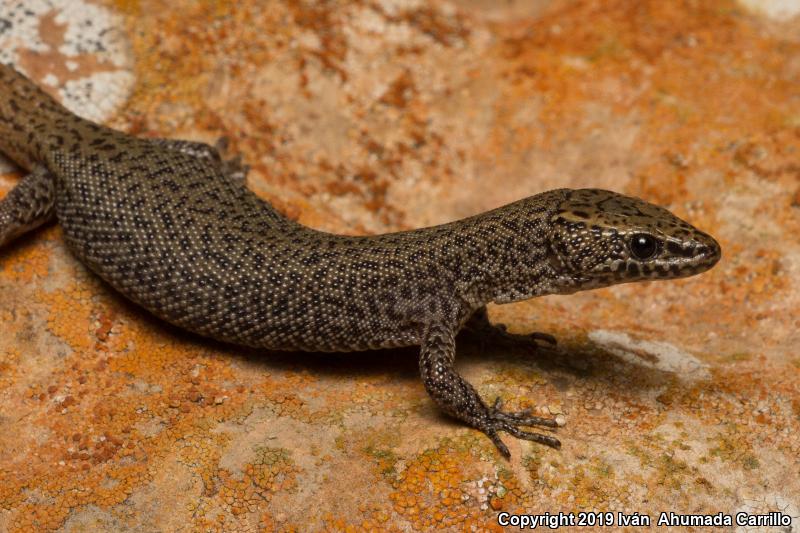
{"x": 643, "y": 246}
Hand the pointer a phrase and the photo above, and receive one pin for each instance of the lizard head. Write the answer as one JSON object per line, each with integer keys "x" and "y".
{"x": 602, "y": 238}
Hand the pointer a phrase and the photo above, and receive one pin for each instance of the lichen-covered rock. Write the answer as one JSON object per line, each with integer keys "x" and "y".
{"x": 375, "y": 116}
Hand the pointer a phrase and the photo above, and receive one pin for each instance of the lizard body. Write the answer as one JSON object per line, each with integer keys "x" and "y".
{"x": 165, "y": 224}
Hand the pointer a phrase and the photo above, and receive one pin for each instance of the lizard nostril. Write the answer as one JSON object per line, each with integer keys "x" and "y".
{"x": 707, "y": 248}
{"x": 710, "y": 253}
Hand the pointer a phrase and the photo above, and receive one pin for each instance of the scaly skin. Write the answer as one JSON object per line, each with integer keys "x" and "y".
{"x": 165, "y": 224}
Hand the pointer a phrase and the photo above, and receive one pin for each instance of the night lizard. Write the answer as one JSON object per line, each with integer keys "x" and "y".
{"x": 171, "y": 225}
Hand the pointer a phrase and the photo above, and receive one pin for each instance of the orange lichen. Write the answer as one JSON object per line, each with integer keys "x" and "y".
{"x": 432, "y": 492}
{"x": 104, "y": 406}
{"x": 231, "y": 498}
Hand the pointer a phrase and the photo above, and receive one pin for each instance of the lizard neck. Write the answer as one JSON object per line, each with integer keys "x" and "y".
{"x": 504, "y": 255}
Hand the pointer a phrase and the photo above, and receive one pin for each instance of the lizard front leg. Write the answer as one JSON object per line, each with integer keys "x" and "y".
{"x": 459, "y": 399}
{"x": 28, "y": 205}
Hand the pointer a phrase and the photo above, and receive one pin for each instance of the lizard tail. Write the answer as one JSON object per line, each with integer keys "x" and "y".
{"x": 26, "y": 113}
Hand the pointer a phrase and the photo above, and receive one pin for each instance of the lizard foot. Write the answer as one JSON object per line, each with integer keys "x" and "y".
{"x": 499, "y": 333}
{"x": 233, "y": 167}
{"x": 499, "y": 420}
{"x": 456, "y": 397}
{"x": 489, "y": 333}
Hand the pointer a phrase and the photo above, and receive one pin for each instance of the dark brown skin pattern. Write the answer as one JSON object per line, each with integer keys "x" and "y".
{"x": 168, "y": 225}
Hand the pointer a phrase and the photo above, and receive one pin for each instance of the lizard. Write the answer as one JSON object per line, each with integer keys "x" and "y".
{"x": 171, "y": 225}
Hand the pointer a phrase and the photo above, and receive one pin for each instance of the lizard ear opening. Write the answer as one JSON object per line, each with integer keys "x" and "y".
{"x": 554, "y": 260}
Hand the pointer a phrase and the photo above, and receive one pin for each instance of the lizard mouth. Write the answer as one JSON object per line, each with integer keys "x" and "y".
{"x": 707, "y": 253}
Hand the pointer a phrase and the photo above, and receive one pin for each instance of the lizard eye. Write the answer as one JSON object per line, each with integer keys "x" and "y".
{"x": 643, "y": 246}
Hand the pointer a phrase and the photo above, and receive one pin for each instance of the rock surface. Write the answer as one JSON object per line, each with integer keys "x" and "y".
{"x": 367, "y": 116}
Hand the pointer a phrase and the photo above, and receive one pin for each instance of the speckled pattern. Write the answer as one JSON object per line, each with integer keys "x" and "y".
{"x": 367, "y": 117}
{"x": 163, "y": 224}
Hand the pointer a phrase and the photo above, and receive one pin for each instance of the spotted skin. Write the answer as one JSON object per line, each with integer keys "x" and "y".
{"x": 28, "y": 205}
{"x": 170, "y": 225}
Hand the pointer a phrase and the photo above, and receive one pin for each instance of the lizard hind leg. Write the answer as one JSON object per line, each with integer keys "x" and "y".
{"x": 455, "y": 396}
{"x": 232, "y": 167}
{"x": 28, "y": 205}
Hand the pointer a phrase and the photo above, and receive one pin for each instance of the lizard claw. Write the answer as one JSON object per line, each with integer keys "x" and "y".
{"x": 502, "y": 421}
{"x": 522, "y": 338}
{"x": 488, "y": 332}
{"x": 498, "y": 333}
{"x": 501, "y": 446}
{"x": 520, "y": 418}
{"x": 233, "y": 167}
{"x": 546, "y": 337}
{"x": 222, "y": 144}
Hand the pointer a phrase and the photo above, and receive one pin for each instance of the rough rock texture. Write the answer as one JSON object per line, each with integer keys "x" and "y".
{"x": 377, "y": 115}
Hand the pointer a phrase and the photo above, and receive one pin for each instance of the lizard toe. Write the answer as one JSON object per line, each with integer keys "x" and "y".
{"x": 498, "y": 442}
{"x": 498, "y": 420}
{"x": 519, "y": 418}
